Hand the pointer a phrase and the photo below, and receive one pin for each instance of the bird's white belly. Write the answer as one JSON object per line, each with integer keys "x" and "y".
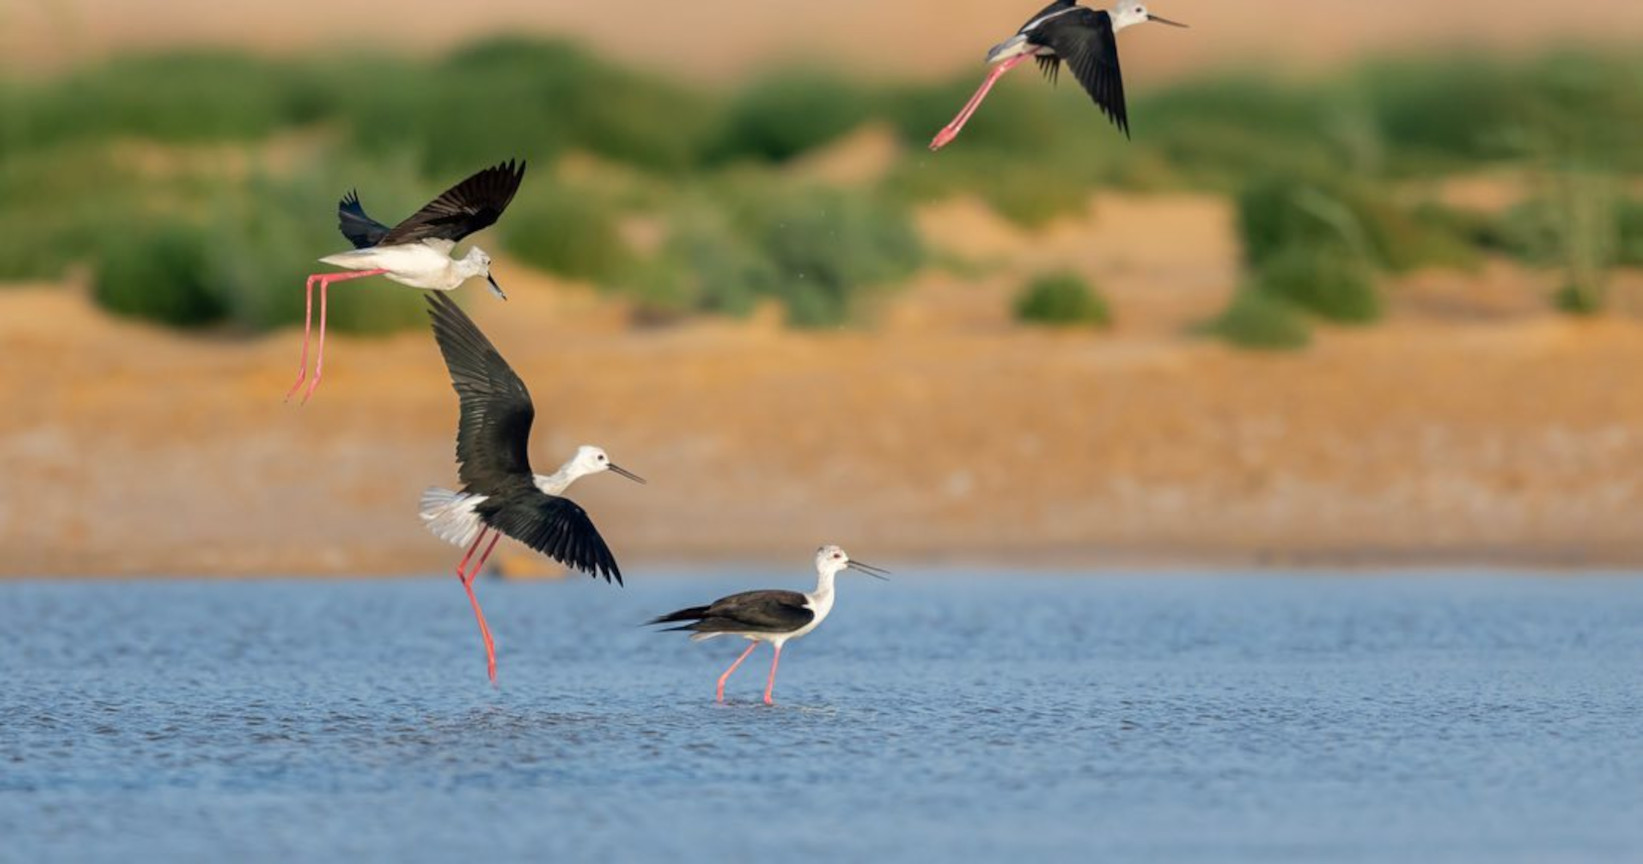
{"x": 819, "y": 605}
{"x": 415, "y": 264}
{"x": 1014, "y": 47}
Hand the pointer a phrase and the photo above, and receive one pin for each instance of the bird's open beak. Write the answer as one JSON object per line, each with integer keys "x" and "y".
{"x": 495, "y": 288}
{"x": 1151, "y": 17}
{"x": 875, "y": 572}
{"x": 625, "y": 473}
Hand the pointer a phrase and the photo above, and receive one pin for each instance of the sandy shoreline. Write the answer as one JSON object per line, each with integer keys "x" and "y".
{"x": 1473, "y": 427}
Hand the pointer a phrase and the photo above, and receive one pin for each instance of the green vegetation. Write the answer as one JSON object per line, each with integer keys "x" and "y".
{"x": 227, "y": 167}
{"x": 1255, "y": 319}
{"x": 237, "y": 258}
{"x": 159, "y": 272}
{"x": 784, "y": 115}
{"x": 1061, "y": 299}
{"x": 827, "y": 245}
{"x": 1281, "y": 212}
{"x": 1333, "y": 284}
{"x": 566, "y": 230}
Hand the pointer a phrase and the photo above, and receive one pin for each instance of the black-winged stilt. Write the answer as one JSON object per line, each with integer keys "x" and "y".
{"x": 500, "y": 494}
{"x": 768, "y": 616}
{"x": 1085, "y": 38}
{"x": 416, "y": 252}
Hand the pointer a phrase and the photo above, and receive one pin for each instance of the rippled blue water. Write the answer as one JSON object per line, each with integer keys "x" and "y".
{"x": 936, "y": 717}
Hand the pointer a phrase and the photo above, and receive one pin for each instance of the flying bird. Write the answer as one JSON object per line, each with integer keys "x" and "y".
{"x": 768, "y": 616}
{"x": 416, "y": 252}
{"x": 500, "y": 493}
{"x": 1086, "y": 39}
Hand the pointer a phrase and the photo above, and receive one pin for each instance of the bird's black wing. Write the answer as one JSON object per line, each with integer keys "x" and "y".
{"x": 1050, "y": 65}
{"x": 748, "y": 612}
{"x": 496, "y": 409}
{"x": 475, "y": 203}
{"x": 1084, "y": 39}
{"x": 557, "y": 527}
{"x": 360, "y": 229}
{"x": 1057, "y": 6}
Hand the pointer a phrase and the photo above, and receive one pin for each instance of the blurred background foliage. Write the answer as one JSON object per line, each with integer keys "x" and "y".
{"x": 198, "y": 188}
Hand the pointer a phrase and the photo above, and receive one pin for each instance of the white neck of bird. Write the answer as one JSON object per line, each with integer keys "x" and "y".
{"x": 824, "y": 579}
{"x": 557, "y": 482}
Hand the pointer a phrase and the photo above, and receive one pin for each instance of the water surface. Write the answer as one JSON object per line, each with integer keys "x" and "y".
{"x": 941, "y": 716}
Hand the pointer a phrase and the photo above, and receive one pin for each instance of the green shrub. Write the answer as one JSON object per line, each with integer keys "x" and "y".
{"x": 707, "y": 264}
{"x": 1629, "y": 226}
{"x": 1575, "y": 224}
{"x": 59, "y": 208}
{"x": 157, "y": 270}
{"x": 1282, "y": 212}
{"x": 1579, "y": 298}
{"x": 1223, "y": 129}
{"x": 188, "y": 96}
{"x": 1257, "y": 320}
{"x": 240, "y": 260}
{"x": 1527, "y": 232}
{"x": 828, "y": 246}
{"x": 1464, "y": 110}
{"x": 1333, "y": 284}
{"x": 1061, "y": 299}
{"x": 516, "y": 97}
{"x": 571, "y": 231}
{"x": 780, "y": 116}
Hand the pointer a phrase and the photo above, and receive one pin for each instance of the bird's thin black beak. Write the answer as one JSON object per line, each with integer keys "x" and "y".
{"x": 875, "y": 572}
{"x": 625, "y": 473}
{"x": 1151, "y": 17}
{"x": 495, "y": 288}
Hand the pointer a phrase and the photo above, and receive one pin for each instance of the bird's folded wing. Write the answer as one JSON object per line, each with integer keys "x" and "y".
{"x": 1084, "y": 39}
{"x": 494, "y": 430}
{"x": 469, "y": 206}
{"x": 556, "y": 527}
{"x": 758, "y": 611}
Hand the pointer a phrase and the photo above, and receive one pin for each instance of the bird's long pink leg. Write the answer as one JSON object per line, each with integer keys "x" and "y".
{"x": 771, "y": 684}
{"x": 325, "y": 280}
{"x": 462, "y": 566}
{"x": 725, "y": 677}
{"x": 951, "y": 130}
{"x": 307, "y": 327}
{"x": 467, "y": 585}
{"x": 484, "y": 632}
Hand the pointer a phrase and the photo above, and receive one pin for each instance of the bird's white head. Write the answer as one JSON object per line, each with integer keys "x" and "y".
{"x": 478, "y": 263}
{"x": 831, "y": 559}
{"x": 592, "y": 460}
{"x": 1129, "y": 14}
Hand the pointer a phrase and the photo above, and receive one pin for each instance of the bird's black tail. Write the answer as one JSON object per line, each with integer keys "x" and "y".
{"x": 694, "y": 613}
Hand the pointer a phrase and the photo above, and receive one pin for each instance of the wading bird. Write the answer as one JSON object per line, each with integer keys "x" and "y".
{"x": 500, "y": 494}
{"x": 416, "y": 252}
{"x": 1085, "y": 38}
{"x": 768, "y": 616}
